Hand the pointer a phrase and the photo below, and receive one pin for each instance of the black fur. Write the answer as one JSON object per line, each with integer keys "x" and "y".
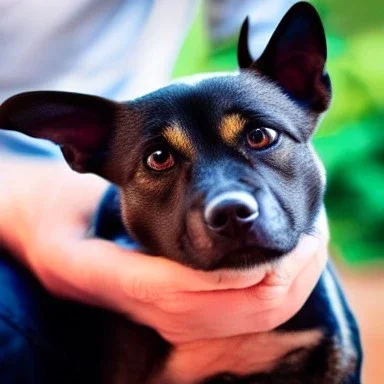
{"x": 285, "y": 90}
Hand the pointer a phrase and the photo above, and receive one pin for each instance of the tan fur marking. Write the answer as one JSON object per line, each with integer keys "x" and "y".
{"x": 178, "y": 139}
{"x": 230, "y": 128}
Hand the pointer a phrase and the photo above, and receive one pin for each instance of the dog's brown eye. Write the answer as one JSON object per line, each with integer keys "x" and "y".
{"x": 160, "y": 160}
{"x": 260, "y": 138}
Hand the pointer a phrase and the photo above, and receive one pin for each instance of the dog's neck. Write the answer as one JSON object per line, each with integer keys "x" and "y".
{"x": 242, "y": 355}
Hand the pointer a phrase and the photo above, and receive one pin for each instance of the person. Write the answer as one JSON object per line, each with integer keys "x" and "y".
{"x": 49, "y": 266}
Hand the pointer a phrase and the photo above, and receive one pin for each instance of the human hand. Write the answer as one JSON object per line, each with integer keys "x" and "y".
{"x": 45, "y": 210}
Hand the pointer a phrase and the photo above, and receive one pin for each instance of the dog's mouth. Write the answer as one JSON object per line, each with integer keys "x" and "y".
{"x": 229, "y": 257}
{"x": 248, "y": 257}
{"x": 261, "y": 244}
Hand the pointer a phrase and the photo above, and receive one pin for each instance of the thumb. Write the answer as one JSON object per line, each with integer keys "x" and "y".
{"x": 101, "y": 273}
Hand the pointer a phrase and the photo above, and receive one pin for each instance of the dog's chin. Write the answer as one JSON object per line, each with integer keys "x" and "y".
{"x": 262, "y": 244}
{"x": 235, "y": 258}
{"x": 249, "y": 257}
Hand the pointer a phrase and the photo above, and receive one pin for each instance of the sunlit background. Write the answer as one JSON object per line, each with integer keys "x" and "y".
{"x": 350, "y": 142}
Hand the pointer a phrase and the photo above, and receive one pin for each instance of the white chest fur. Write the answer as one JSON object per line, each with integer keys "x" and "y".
{"x": 240, "y": 355}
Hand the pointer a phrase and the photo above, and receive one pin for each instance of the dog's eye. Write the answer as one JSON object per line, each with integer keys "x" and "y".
{"x": 160, "y": 160}
{"x": 260, "y": 138}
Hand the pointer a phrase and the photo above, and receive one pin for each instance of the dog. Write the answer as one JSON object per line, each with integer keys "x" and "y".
{"x": 215, "y": 172}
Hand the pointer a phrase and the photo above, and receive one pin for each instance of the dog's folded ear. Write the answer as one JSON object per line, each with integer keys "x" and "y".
{"x": 294, "y": 57}
{"x": 80, "y": 124}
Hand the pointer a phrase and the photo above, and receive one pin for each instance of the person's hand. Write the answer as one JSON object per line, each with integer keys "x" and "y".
{"x": 45, "y": 211}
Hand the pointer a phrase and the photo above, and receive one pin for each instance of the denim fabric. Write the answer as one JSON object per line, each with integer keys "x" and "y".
{"x": 43, "y": 339}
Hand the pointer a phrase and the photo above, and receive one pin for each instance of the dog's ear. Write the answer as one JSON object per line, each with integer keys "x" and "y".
{"x": 294, "y": 57}
{"x": 80, "y": 124}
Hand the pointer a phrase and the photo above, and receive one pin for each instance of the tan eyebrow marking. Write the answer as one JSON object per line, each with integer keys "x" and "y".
{"x": 177, "y": 138}
{"x": 230, "y": 128}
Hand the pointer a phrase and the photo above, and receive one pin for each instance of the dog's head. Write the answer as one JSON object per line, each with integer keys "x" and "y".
{"x": 213, "y": 173}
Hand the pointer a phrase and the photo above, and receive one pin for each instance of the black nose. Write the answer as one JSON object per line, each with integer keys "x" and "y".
{"x": 231, "y": 213}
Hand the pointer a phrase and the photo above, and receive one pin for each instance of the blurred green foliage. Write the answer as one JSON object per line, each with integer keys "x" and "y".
{"x": 351, "y": 137}
{"x": 350, "y": 140}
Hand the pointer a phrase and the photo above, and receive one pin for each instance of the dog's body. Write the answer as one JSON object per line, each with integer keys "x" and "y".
{"x": 320, "y": 344}
{"x": 214, "y": 174}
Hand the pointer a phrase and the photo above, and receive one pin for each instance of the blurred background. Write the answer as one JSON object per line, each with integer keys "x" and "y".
{"x": 350, "y": 142}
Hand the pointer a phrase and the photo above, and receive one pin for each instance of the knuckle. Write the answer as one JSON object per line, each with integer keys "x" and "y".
{"x": 267, "y": 296}
{"x": 258, "y": 301}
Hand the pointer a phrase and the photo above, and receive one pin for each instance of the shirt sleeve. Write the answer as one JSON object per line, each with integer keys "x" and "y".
{"x": 226, "y": 16}
{"x": 17, "y": 144}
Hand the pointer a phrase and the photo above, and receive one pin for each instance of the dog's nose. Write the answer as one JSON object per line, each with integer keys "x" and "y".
{"x": 231, "y": 213}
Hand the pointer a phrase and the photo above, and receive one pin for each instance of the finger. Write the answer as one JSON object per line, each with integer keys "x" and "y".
{"x": 300, "y": 289}
{"x": 228, "y": 313}
{"x": 285, "y": 271}
{"x": 170, "y": 277}
{"x": 163, "y": 276}
{"x": 145, "y": 278}
{"x": 101, "y": 273}
{"x": 264, "y": 294}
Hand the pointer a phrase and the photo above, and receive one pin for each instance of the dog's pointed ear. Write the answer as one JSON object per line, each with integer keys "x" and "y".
{"x": 80, "y": 124}
{"x": 295, "y": 57}
{"x": 244, "y": 57}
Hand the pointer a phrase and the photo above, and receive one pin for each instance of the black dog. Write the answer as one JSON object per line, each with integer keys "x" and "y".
{"x": 215, "y": 174}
